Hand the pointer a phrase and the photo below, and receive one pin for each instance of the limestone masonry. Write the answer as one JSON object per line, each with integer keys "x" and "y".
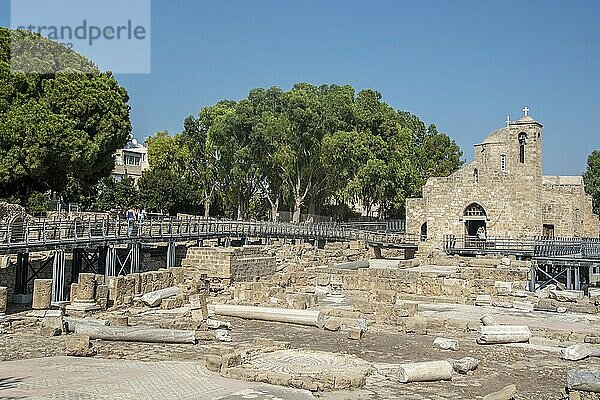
{"x": 503, "y": 193}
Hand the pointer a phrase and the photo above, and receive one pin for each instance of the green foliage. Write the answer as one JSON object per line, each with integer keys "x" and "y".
{"x": 322, "y": 148}
{"x": 162, "y": 190}
{"x": 116, "y": 196}
{"x": 591, "y": 178}
{"x": 37, "y": 202}
{"x": 59, "y": 129}
{"x": 258, "y": 208}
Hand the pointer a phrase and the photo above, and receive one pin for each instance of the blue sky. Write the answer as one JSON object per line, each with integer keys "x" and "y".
{"x": 462, "y": 65}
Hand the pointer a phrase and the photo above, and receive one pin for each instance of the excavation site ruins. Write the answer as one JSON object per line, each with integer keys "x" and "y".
{"x": 238, "y": 310}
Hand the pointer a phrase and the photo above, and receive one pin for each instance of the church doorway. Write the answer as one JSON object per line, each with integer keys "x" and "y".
{"x": 475, "y": 219}
{"x": 475, "y": 227}
{"x": 548, "y": 230}
{"x": 424, "y": 232}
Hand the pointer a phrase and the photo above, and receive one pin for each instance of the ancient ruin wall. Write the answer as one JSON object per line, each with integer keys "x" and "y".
{"x": 569, "y": 209}
{"x": 239, "y": 264}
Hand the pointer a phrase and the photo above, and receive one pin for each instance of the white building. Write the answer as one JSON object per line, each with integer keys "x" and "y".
{"x": 130, "y": 161}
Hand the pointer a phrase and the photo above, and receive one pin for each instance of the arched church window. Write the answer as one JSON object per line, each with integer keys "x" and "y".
{"x": 475, "y": 210}
{"x": 476, "y": 175}
{"x": 522, "y": 143}
{"x": 503, "y": 163}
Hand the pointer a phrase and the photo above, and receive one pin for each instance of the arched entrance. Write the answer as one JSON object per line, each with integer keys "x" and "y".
{"x": 17, "y": 229}
{"x": 475, "y": 219}
{"x": 424, "y": 232}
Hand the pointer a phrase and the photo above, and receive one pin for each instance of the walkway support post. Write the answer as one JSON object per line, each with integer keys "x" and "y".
{"x": 77, "y": 264}
{"x": 111, "y": 261}
{"x": 135, "y": 258}
{"x": 21, "y": 273}
{"x": 58, "y": 276}
{"x": 171, "y": 255}
{"x": 532, "y": 279}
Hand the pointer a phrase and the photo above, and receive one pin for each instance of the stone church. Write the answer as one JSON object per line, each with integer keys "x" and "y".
{"x": 503, "y": 193}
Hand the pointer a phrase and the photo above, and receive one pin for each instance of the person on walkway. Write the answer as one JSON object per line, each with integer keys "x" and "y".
{"x": 130, "y": 221}
{"x": 481, "y": 236}
{"x": 140, "y": 219}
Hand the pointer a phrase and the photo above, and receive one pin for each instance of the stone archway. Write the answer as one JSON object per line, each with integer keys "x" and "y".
{"x": 17, "y": 229}
{"x": 424, "y": 232}
{"x": 475, "y": 218}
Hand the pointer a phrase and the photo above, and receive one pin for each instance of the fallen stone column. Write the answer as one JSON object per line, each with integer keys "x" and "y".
{"x": 286, "y": 315}
{"x": 503, "y": 334}
{"x": 575, "y": 353}
{"x": 586, "y": 381}
{"x": 425, "y": 372}
{"x": 353, "y": 265}
{"x": 153, "y": 299}
{"x": 131, "y": 334}
{"x": 71, "y": 322}
{"x": 488, "y": 320}
{"x": 3, "y": 298}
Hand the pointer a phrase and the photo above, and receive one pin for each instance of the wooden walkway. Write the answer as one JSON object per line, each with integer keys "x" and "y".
{"x": 43, "y": 235}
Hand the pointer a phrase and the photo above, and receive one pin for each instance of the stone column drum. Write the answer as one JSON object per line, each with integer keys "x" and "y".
{"x": 42, "y": 294}
{"x": 3, "y": 298}
{"x": 86, "y": 288}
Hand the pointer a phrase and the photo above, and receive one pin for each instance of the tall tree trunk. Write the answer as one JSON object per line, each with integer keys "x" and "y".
{"x": 297, "y": 208}
{"x": 274, "y": 208}
{"x": 240, "y": 211}
{"x": 207, "y": 208}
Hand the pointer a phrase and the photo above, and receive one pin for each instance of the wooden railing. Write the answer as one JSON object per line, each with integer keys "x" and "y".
{"x": 536, "y": 247}
{"x": 49, "y": 234}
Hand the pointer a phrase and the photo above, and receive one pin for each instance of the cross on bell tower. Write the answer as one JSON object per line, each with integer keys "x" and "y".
{"x": 525, "y": 111}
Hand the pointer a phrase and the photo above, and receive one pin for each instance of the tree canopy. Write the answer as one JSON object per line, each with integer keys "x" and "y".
{"x": 58, "y": 130}
{"x": 311, "y": 148}
{"x": 591, "y": 178}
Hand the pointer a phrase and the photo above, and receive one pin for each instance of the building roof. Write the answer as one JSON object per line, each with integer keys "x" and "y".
{"x": 498, "y": 136}
{"x": 526, "y": 119}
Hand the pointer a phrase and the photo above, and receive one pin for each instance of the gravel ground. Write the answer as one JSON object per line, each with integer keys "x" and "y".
{"x": 538, "y": 374}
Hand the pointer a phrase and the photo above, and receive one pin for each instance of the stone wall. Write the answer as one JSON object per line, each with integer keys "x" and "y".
{"x": 569, "y": 209}
{"x": 126, "y": 290}
{"x": 370, "y": 289}
{"x": 300, "y": 256}
{"x": 231, "y": 264}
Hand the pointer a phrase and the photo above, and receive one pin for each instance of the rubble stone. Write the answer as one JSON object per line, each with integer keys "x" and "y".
{"x": 355, "y": 334}
{"x": 42, "y": 294}
{"x": 445, "y": 344}
{"x": 213, "y": 363}
{"x": 51, "y": 326}
{"x": 332, "y": 324}
{"x": 506, "y": 393}
{"x": 86, "y": 287}
{"x": 465, "y": 365}
{"x": 78, "y": 346}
